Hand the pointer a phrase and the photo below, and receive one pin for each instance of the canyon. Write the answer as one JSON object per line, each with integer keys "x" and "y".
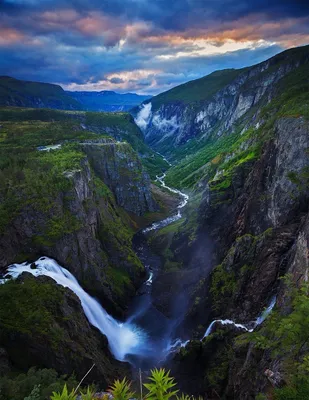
{"x": 178, "y": 235}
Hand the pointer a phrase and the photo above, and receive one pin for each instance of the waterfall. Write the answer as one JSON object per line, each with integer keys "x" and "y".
{"x": 225, "y": 322}
{"x": 251, "y": 326}
{"x": 124, "y": 338}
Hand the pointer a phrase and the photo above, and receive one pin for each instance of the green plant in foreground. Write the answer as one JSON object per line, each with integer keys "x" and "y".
{"x": 121, "y": 390}
{"x": 65, "y": 395}
{"x": 161, "y": 385}
{"x": 184, "y": 397}
{"x": 88, "y": 395}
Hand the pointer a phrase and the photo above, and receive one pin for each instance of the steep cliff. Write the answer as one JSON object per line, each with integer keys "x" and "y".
{"x": 120, "y": 168}
{"x": 45, "y": 323}
{"x": 243, "y": 239}
{"x": 254, "y": 210}
{"x": 65, "y": 204}
{"x": 180, "y": 121}
{"x": 29, "y": 127}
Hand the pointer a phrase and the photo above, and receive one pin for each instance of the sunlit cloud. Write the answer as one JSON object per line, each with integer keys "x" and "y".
{"x": 10, "y": 36}
{"x": 142, "y": 45}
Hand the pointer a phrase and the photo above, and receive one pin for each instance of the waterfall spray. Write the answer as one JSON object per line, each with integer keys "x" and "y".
{"x": 124, "y": 338}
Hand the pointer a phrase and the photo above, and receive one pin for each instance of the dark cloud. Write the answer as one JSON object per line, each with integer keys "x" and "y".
{"x": 116, "y": 80}
{"x": 142, "y": 45}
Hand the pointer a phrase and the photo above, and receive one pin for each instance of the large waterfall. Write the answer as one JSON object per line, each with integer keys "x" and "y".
{"x": 123, "y": 338}
{"x": 147, "y": 336}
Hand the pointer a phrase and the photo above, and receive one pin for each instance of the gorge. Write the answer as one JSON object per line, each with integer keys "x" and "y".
{"x": 177, "y": 235}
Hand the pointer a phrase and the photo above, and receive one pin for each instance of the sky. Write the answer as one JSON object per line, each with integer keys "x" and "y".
{"x": 142, "y": 46}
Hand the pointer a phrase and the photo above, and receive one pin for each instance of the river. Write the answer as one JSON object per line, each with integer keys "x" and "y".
{"x": 147, "y": 336}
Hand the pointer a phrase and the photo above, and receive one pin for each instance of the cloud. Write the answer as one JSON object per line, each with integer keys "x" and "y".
{"x": 142, "y": 45}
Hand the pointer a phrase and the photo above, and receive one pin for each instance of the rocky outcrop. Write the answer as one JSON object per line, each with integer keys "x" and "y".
{"x": 84, "y": 228}
{"x": 61, "y": 337}
{"x": 168, "y": 120}
{"x": 258, "y": 225}
{"x": 121, "y": 170}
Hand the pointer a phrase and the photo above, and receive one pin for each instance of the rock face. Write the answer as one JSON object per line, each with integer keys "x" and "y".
{"x": 69, "y": 345}
{"x": 169, "y": 120}
{"x": 259, "y": 227}
{"x": 94, "y": 240}
{"x": 120, "y": 168}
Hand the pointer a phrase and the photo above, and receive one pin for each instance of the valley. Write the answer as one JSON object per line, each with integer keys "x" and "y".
{"x": 172, "y": 236}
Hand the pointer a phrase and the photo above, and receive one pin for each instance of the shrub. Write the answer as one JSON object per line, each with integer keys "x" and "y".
{"x": 65, "y": 395}
{"x": 121, "y": 390}
{"x": 161, "y": 385}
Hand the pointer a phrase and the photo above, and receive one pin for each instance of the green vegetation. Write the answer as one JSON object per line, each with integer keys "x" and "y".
{"x": 223, "y": 285}
{"x": 161, "y": 242}
{"x": 197, "y": 90}
{"x": 285, "y": 336}
{"x": 36, "y": 384}
{"x": 119, "y": 279}
{"x": 161, "y": 385}
{"x": 36, "y": 181}
{"x": 14, "y": 91}
{"x": 301, "y": 180}
{"x": 121, "y": 390}
{"x": 65, "y": 395}
{"x": 190, "y": 170}
{"x": 291, "y": 100}
{"x": 24, "y": 129}
{"x": 30, "y": 309}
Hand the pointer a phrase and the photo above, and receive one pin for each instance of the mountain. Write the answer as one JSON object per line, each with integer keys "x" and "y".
{"x": 19, "y": 93}
{"x": 107, "y": 100}
{"x": 15, "y": 92}
{"x": 240, "y": 253}
{"x": 183, "y": 120}
{"x": 220, "y": 284}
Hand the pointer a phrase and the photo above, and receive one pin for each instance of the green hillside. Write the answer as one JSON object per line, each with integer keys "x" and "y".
{"x": 15, "y": 92}
{"x": 197, "y": 90}
{"x": 292, "y": 99}
{"x": 24, "y": 129}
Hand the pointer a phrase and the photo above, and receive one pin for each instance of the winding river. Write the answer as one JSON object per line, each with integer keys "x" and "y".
{"x": 147, "y": 337}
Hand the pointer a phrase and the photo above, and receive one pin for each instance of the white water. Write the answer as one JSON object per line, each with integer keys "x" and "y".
{"x": 51, "y": 147}
{"x": 124, "y": 338}
{"x": 224, "y": 322}
{"x": 173, "y": 218}
{"x": 250, "y": 327}
{"x": 165, "y": 159}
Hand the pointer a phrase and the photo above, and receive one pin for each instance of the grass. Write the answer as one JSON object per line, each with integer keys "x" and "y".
{"x": 198, "y": 90}
{"x": 26, "y": 93}
{"x": 24, "y": 129}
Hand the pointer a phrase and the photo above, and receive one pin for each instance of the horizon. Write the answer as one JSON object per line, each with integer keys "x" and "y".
{"x": 142, "y": 47}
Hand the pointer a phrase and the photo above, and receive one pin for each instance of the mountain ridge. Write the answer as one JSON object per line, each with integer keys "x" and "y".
{"x": 23, "y": 93}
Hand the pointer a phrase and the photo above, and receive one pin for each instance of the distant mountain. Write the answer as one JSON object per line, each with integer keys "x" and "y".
{"x": 19, "y": 93}
{"x": 108, "y": 100}
{"x": 15, "y": 92}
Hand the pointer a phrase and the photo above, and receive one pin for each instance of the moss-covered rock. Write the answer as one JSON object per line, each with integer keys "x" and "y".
{"x": 43, "y": 325}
